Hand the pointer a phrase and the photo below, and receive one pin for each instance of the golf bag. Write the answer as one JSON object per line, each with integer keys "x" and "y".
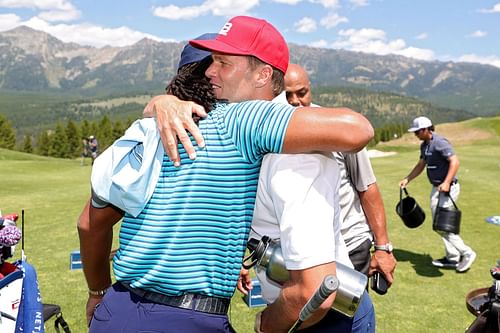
{"x": 20, "y": 301}
{"x": 21, "y": 308}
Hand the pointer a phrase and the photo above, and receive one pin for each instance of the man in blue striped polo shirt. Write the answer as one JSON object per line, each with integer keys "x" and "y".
{"x": 180, "y": 253}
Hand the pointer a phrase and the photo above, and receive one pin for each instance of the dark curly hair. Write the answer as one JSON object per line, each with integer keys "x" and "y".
{"x": 191, "y": 84}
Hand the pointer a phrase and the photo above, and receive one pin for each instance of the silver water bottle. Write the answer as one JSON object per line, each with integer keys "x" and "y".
{"x": 266, "y": 253}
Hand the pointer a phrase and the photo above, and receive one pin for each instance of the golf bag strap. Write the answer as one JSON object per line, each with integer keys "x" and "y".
{"x": 60, "y": 322}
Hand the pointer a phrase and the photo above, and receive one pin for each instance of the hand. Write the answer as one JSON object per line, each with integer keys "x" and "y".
{"x": 92, "y": 302}
{"x": 174, "y": 117}
{"x": 403, "y": 183}
{"x": 444, "y": 187}
{"x": 385, "y": 263}
{"x": 244, "y": 282}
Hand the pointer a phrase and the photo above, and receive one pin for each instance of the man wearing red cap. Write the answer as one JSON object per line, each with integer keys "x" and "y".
{"x": 190, "y": 234}
{"x": 243, "y": 46}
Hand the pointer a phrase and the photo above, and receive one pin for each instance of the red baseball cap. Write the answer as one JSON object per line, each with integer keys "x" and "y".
{"x": 245, "y": 35}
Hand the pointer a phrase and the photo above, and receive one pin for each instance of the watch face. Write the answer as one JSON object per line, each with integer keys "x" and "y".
{"x": 386, "y": 247}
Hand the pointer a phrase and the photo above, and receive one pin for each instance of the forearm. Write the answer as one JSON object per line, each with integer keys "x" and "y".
{"x": 373, "y": 207}
{"x": 94, "y": 251}
{"x": 284, "y": 312}
{"x": 417, "y": 170}
{"x": 327, "y": 129}
{"x": 95, "y": 230}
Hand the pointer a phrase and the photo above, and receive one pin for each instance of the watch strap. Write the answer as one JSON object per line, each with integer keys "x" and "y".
{"x": 100, "y": 293}
{"x": 384, "y": 247}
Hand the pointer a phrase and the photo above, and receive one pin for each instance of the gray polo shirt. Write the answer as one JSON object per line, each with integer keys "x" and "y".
{"x": 436, "y": 153}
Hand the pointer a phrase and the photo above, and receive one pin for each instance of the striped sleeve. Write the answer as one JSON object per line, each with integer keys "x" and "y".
{"x": 258, "y": 127}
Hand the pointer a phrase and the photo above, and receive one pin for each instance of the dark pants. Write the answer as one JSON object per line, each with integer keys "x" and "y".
{"x": 363, "y": 321}
{"x": 122, "y": 312}
{"x": 360, "y": 257}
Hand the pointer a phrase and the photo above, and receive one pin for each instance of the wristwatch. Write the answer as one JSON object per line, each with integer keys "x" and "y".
{"x": 99, "y": 293}
{"x": 384, "y": 247}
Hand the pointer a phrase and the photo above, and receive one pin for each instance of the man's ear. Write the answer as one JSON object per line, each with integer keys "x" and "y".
{"x": 264, "y": 76}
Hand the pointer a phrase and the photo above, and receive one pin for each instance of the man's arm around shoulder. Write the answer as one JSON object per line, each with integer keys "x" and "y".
{"x": 327, "y": 129}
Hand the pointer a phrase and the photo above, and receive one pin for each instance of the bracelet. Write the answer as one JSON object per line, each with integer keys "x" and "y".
{"x": 100, "y": 293}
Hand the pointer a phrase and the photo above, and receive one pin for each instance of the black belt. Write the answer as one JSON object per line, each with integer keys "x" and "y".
{"x": 196, "y": 302}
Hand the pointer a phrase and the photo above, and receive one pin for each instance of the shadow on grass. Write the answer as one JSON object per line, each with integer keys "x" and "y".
{"x": 422, "y": 263}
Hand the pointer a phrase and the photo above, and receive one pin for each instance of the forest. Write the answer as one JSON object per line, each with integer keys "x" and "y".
{"x": 67, "y": 140}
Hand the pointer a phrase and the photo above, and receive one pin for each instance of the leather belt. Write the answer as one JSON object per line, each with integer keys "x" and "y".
{"x": 196, "y": 302}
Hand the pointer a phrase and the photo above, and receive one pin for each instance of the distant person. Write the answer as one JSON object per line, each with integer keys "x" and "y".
{"x": 85, "y": 151}
{"x": 361, "y": 206}
{"x": 93, "y": 147}
{"x": 437, "y": 155}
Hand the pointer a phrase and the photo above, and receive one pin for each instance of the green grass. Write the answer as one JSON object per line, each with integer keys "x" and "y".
{"x": 423, "y": 299}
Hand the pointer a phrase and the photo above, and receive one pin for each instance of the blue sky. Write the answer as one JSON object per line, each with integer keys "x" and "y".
{"x": 456, "y": 30}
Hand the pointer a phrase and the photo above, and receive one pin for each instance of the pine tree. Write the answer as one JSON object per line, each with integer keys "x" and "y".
{"x": 85, "y": 129}
{"x": 118, "y": 130}
{"x": 7, "y": 134}
{"x": 27, "y": 144}
{"x": 73, "y": 139}
{"x": 58, "y": 146}
{"x": 43, "y": 143}
{"x": 105, "y": 133}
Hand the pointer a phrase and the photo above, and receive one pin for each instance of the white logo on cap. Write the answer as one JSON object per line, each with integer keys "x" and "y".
{"x": 225, "y": 29}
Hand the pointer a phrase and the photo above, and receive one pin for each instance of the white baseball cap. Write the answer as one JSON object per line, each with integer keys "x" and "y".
{"x": 419, "y": 123}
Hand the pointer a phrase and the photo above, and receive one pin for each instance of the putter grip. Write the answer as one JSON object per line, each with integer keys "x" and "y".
{"x": 329, "y": 285}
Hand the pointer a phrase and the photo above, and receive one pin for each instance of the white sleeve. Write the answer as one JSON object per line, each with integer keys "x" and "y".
{"x": 359, "y": 169}
{"x": 126, "y": 173}
{"x": 304, "y": 192}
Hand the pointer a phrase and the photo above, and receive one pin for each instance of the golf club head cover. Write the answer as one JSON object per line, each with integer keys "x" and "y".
{"x": 10, "y": 235}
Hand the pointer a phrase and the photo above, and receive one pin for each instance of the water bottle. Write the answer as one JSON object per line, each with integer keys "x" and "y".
{"x": 266, "y": 254}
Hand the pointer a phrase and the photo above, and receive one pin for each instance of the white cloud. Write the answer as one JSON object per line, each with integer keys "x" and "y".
{"x": 172, "y": 12}
{"x": 51, "y": 10}
{"x": 89, "y": 34}
{"x": 9, "y": 21}
{"x": 59, "y": 15}
{"x": 38, "y": 4}
{"x": 417, "y": 53}
{"x": 319, "y": 43}
{"x": 478, "y": 34}
{"x": 375, "y": 41}
{"x": 359, "y": 3}
{"x": 485, "y": 60}
{"x": 327, "y": 3}
{"x": 495, "y": 9}
{"x": 215, "y": 7}
{"x": 305, "y": 25}
{"x": 332, "y": 20}
{"x": 423, "y": 35}
{"x": 287, "y": 2}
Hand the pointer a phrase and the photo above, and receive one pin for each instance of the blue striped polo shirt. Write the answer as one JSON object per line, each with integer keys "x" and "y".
{"x": 191, "y": 235}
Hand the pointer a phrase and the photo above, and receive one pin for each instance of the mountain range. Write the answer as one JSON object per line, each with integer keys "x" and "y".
{"x": 34, "y": 61}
